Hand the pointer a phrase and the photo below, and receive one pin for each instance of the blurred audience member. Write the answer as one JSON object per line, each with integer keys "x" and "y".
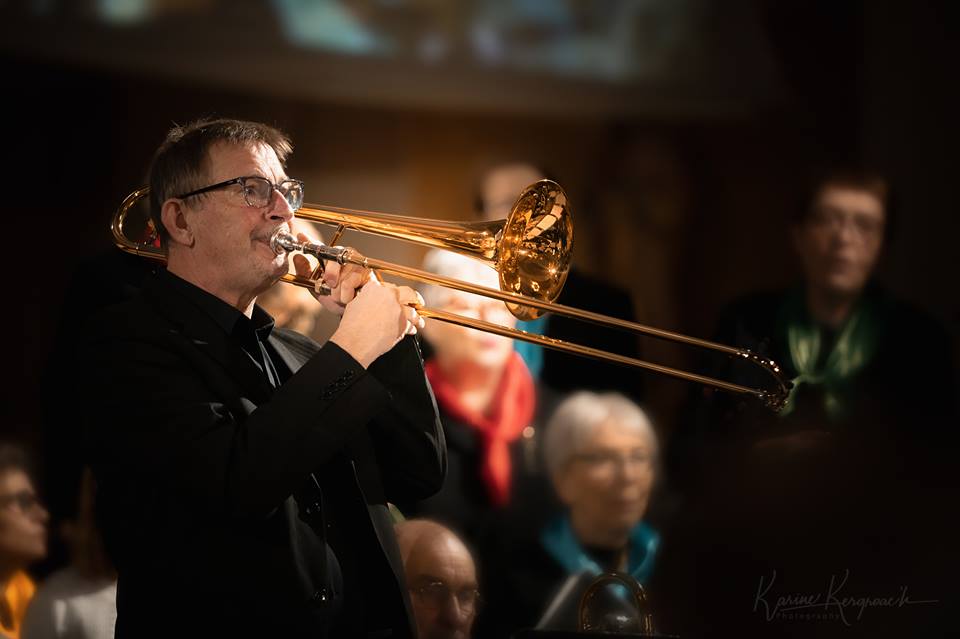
{"x": 865, "y": 367}
{"x": 600, "y": 452}
{"x": 441, "y": 577}
{"x": 23, "y": 538}
{"x": 806, "y": 490}
{"x": 488, "y": 404}
{"x": 79, "y": 601}
{"x": 499, "y": 188}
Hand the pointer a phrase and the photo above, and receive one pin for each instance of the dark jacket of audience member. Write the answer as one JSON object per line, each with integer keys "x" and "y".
{"x": 565, "y": 372}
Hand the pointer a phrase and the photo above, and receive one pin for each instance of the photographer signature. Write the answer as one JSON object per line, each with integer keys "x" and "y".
{"x": 830, "y": 601}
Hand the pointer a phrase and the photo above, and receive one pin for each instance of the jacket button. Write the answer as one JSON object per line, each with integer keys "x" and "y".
{"x": 320, "y": 595}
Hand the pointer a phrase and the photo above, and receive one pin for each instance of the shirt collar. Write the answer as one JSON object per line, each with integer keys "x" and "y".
{"x": 232, "y": 321}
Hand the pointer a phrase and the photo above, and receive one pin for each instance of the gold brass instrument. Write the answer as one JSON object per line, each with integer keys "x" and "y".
{"x": 640, "y": 624}
{"x": 530, "y": 250}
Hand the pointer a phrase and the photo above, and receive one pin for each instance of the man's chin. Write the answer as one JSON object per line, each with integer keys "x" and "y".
{"x": 844, "y": 287}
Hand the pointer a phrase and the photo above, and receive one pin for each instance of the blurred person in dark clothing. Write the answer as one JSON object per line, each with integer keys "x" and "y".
{"x": 854, "y": 473}
{"x": 490, "y": 407}
{"x": 865, "y": 367}
{"x": 23, "y": 538}
{"x": 243, "y": 470}
{"x": 441, "y": 577}
{"x": 601, "y": 454}
{"x": 500, "y": 186}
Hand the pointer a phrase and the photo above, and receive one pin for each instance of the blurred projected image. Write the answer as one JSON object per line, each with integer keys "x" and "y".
{"x": 618, "y": 41}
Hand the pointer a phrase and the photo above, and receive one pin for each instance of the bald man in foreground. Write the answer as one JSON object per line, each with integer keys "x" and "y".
{"x": 442, "y": 579}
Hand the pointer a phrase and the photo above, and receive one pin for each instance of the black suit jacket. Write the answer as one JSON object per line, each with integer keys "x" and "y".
{"x": 221, "y": 495}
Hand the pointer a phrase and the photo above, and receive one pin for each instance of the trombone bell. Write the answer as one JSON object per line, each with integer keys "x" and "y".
{"x": 535, "y": 247}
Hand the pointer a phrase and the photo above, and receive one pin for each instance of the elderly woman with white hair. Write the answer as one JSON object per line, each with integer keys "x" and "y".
{"x": 600, "y": 452}
{"x": 487, "y": 401}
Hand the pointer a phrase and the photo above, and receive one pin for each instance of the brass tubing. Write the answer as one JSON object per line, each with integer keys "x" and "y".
{"x": 579, "y": 349}
{"x": 773, "y": 399}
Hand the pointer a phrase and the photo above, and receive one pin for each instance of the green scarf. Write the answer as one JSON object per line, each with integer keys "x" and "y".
{"x": 854, "y": 348}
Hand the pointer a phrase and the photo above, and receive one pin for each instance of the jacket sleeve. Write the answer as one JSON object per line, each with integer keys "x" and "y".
{"x": 408, "y": 437}
{"x": 158, "y": 423}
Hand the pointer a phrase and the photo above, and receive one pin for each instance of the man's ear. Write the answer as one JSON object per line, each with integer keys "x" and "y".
{"x": 174, "y": 219}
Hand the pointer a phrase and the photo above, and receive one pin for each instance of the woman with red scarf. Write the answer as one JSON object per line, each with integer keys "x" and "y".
{"x": 488, "y": 404}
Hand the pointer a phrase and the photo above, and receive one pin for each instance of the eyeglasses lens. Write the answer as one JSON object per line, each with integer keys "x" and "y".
{"x": 438, "y": 595}
{"x": 258, "y": 192}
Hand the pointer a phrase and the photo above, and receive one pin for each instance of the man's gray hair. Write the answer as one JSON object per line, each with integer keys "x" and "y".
{"x": 577, "y": 417}
{"x": 457, "y": 266}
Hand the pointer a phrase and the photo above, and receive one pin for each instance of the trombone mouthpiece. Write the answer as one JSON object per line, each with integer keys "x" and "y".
{"x": 283, "y": 242}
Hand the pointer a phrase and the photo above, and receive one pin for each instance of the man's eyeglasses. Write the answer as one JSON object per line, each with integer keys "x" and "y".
{"x": 258, "y": 191}
{"x": 25, "y": 500}
{"x": 436, "y": 595}
{"x": 833, "y": 219}
{"x": 607, "y": 462}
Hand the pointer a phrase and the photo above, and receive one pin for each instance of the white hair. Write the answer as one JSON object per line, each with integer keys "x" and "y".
{"x": 577, "y": 417}
{"x": 456, "y": 266}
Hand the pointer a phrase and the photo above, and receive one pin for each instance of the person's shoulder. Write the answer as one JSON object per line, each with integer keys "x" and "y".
{"x": 131, "y": 318}
{"x": 150, "y": 325}
{"x": 579, "y": 280}
{"x": 584, "y": 290}
{"x": 60, "y": 584}
{"x": 753, "y": 314}
{"x": 756, "y": 303}
{"x": 905, "y": 314}
{"x": 910, "y": 326}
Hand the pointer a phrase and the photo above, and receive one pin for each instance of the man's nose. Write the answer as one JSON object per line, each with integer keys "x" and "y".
{"x": 455, "y": 613}
{"x": 629, "y": 469}
{"x": 41, "y": 514}
{"x": 845, "y": 232}
{"x": 279, "y": 207}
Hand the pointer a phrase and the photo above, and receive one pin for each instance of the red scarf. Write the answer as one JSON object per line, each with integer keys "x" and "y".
{"x": 512, "y": 411}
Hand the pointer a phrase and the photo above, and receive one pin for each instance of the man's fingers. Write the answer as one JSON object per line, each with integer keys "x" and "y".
{"x": 349, "y": 276}
{"x": 408, "y": 296}
{"x": 301, "y": 265}
{"x": 414, "y": 321}
{"x": 350, "y": 283}
{"x": 331, "y": 274}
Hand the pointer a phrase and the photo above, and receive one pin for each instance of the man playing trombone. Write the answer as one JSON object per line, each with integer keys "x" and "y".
{"x": 244, "y": 470}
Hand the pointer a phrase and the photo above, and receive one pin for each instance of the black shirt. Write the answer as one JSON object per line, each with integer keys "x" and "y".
{"x": 249, "y": 333}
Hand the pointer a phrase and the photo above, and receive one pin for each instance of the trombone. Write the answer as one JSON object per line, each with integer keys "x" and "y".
{"x": 531, "y": 252}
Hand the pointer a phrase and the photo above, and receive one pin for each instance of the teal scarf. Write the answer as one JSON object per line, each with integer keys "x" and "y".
{"x": 532, "y": 354}
{"x": 561, "y": 543}
{"x": 854, "y": 348}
